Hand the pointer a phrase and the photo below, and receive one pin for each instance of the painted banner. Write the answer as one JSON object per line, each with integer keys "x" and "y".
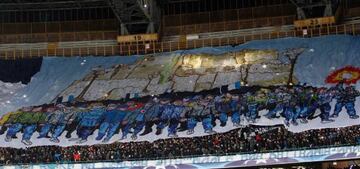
{"x": 178, "y": 115}
{"x": 300, "y": 83}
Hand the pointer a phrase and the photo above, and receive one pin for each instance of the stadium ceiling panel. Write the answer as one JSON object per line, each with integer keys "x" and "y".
{"x": 180, "y": 1}
{"x": 136, "y": 14}
{"x": 139, "y": 15}
{"x": 38, "y": 5}
{"x": 307, "y": 8}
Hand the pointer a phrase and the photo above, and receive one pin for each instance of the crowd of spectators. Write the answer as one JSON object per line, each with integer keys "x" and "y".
{"x": 246, "y": 139}
{"x": 349, "y": 167}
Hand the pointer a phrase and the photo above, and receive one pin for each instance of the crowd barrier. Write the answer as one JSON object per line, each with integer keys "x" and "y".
{"x": 229, "y": 25}
{"x": 139, "y": 48}
{"x": 58, "y": 37}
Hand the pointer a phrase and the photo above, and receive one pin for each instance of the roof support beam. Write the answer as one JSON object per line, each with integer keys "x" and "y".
{"x": 305, "y": 6}
{"x": 13, "y": 5}
{"x": 136, "y": 16}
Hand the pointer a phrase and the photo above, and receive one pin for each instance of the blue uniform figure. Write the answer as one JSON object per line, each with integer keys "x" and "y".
{"x": 53, "y": 119}
{"x": 224, "y": 108}
{"x": 340, "y": 99}
{"x": 59, "y": 120}
{"x": 301, "y": 107}
{"x": 88, "y": 121}
{"x": 324, "y": 99}
{"x": 7, "y": 120}
{"x": 129, "y": 121}
{"x": 189, "y": 117}
{"x": 28, "y": 132}
{"x": 194, "y": 111}
{"x": 166, "y": 110}
{"x": 252, "y": 106}
{"x": 175, "y": 116}
{"x": 346, "y": 98}
{"x": 272, "y": 105}
{"x": 208, "y": 115}
{"x": 235, "y": 110}
{"x": 298, "y": 109}
{"x": 11, "y": 132}
{"x": 45, "y": 129}
{"x": 291, "y": 110}
{"x": 152, "y": 114}
{"x": 37, "y": 117}
{"x": 111, "y": 122}
{"x": 308, "y": 104}
{"x": 139, "y": 122}
{"x": 184, "y": 115}
{"x": 19, "y": 123}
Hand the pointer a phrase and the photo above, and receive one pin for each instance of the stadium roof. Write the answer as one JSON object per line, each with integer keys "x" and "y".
{"x": 37, "y": 5}
{"x": 128, "y": 12}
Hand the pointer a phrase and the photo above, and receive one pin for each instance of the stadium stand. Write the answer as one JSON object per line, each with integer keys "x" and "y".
{"x": 245, "y": 140}
{"x": 208, "y": 84}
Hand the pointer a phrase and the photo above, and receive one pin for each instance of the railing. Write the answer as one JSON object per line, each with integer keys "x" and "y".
{"x": 168, "y": 9}
{"x": 229, "y": 14}
{"x": 353, "y": 12}
{"x": 156, "y": 47}
{"x": 229, "y": 25}
{"x": 58, "y": 37}
{"x": 58, "y": 26}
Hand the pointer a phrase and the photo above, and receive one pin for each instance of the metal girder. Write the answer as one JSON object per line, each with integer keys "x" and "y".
{"x": 180, "y": 1}
{"x": 142, "y": 14}
{"x": 308, "y": 5}
{"x": 19, "y": 4}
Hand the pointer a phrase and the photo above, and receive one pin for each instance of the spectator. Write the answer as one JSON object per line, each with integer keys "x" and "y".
{"x": 57, "y": 157}
{"x": 248, "y": 139}
{"x": 76, "y": 156}
{"x": 258, "y": 138}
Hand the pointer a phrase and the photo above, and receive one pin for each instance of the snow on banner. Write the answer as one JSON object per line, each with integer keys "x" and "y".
{"x": 201, "y": 111}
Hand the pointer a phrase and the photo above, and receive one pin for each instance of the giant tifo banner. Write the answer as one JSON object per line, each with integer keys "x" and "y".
{"x": 300, "y": 83}
{"x": 230, "y": 161}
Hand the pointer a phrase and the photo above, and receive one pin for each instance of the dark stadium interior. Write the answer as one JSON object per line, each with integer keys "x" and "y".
{"x": 168, "y": 84}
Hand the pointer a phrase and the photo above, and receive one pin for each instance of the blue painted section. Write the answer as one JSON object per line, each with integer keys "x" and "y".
{"x": 57, "y": 73}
